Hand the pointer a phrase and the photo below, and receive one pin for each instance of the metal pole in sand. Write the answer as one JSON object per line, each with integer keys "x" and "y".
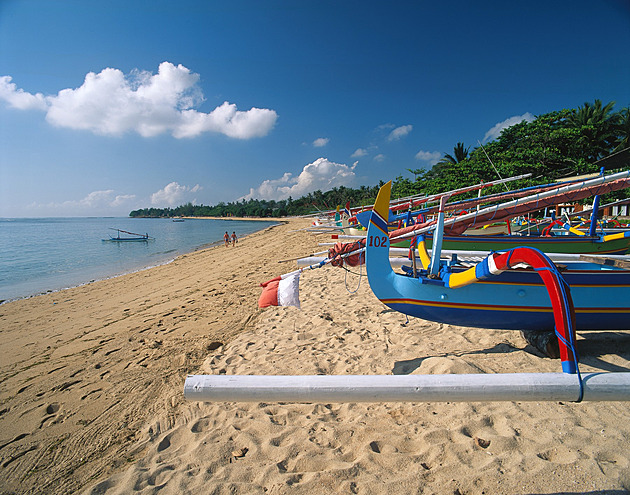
{"x": 408, "y": 388}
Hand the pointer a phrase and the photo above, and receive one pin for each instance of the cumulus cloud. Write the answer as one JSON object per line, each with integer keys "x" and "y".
{"x": 173, "y": 194}
{"x": 320, "y": 142}
{"x": 359, "y": 153}
{"x": 18, "y": 98}
{"x": 322, "y": 175}
{"x": 495, "y": 132}
{"x": 379, "y": 158}
{"x": 112, "y": 103}
{"x": 431, "y": 157}
{"x": 399, "y": 132}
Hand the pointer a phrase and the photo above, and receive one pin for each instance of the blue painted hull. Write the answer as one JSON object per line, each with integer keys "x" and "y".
{"x": 514, "y": 301}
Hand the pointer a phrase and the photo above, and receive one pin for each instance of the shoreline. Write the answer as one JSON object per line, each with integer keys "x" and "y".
{"x": 147, "y": 267}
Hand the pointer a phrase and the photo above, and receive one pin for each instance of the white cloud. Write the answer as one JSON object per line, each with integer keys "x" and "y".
{"x": 173, "y": 194}
{"x": 359, "y": 153}
{"x": 320, "y": 142}
{"x": 322, "y": 175}
{"x": 379, "y": 158}
{"x": 431, "y": 157}
{"x": 111, "y": 103}
{"x": 105, "y": 202}
{"x": 495, "y": 132}
{"x": 399, "y": 132}
{"x": 18, "y": 98}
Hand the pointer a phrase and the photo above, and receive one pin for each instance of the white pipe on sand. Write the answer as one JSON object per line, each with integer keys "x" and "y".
{"x": 408, "y": 388}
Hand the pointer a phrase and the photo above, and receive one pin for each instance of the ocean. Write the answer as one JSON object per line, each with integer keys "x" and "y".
{"x": 38, "y": 255}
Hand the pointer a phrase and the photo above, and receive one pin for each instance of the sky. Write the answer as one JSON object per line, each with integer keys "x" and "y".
{"x": 107, "y": 107}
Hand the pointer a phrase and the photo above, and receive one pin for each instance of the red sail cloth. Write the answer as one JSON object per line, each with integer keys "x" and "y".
{"x": 335, "y": 253}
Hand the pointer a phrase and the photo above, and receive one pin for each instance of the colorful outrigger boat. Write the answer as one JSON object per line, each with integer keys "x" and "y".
{"x": 454, "y": 238}
{"x": 486, "y": 296}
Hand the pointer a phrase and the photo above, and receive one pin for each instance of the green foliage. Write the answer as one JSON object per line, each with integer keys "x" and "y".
{"x": 312, "y": 202}
{"x": 555, "y": 145}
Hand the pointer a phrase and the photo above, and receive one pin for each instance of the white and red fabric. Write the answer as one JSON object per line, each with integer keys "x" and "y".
{"x": 281, "y": 291}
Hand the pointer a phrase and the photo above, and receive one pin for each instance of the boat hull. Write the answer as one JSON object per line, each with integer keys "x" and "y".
{"x": 513, "y": 300}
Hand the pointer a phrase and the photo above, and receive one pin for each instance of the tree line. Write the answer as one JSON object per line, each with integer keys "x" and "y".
{"x": 312, "y": 202}
{"x": 552, "y": 146}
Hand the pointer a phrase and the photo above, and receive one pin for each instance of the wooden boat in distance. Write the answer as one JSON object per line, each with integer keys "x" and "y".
{"x": 130, "y": 237}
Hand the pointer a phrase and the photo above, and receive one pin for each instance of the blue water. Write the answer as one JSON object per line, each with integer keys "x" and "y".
{"x": 43, "y": 254}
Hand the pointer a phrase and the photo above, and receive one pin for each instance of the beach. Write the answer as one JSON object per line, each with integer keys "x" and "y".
{"x": 92, "y": 390}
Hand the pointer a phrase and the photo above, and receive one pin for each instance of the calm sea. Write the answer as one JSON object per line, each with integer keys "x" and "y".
{"x": 43, "y": 254}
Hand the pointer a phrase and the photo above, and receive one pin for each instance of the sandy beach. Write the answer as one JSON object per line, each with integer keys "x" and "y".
{"x": 92, "y": 390}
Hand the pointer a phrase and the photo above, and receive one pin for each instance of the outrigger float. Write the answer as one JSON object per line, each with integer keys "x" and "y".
{"x": 496, "y": 293}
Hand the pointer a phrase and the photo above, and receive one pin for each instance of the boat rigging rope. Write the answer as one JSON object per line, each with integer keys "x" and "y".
{"x": 345, "y": 280}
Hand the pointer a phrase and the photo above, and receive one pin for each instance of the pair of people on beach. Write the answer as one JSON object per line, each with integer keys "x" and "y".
{"x": 226, "y": 238}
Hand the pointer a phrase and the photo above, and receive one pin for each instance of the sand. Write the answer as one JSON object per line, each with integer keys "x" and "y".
{"x": 92, "y": 391}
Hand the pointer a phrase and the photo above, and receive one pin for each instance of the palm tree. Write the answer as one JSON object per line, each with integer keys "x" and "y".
{"x": 460, "y": 153}
{"x": 594, "y": 114}
{"x": 623, "y": 129}
{"x": 597, "y": 124}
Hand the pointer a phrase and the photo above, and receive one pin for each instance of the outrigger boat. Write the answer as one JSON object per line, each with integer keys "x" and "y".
{"x": 488, "y": 296}
{"x": 454, "y": 238}
{"x": 134, "y": 237}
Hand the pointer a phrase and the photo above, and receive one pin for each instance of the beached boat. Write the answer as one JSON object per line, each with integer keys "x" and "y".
{"x": 129, "y": 237}
{"x": 486, "y": 296}
{"x": 454, "y": 226}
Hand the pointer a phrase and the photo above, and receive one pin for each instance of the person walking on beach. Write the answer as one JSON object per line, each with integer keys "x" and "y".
{"x": 226, "y": 239}
{"x": 234, "y": 239}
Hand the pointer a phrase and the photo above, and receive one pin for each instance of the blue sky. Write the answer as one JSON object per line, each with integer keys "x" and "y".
{"x": 111, "y": 106}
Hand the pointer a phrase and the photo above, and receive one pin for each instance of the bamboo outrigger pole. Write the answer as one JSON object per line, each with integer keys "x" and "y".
{"x": 513, "y": 204}
{"x": 408, "y": 388}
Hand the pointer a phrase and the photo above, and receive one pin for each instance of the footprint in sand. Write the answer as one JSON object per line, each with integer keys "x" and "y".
{"x": 200, "y": 426}
{"x": 164, "y": 444}
{"x": 559, "y": 455}
{"x": 50, "y": 415}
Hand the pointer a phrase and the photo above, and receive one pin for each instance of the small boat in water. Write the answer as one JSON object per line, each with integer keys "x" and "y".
{"x": 130, "y": 237}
